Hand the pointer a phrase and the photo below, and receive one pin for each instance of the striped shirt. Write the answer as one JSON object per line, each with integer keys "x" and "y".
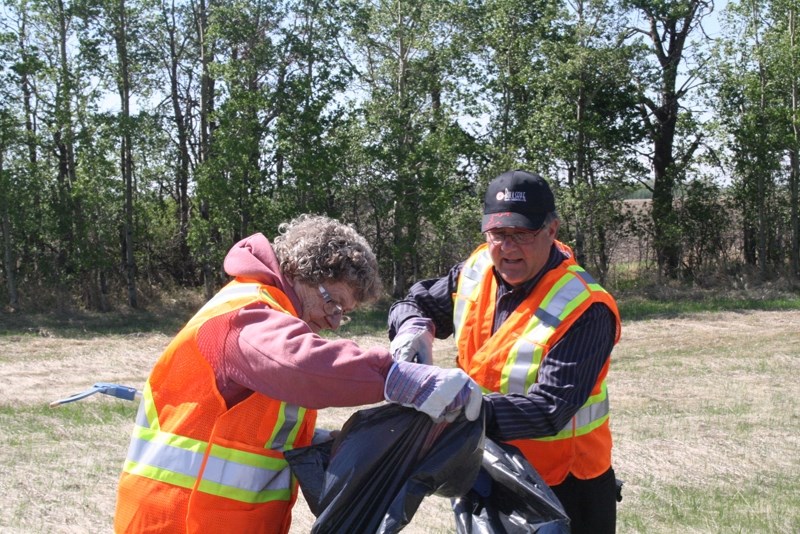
{"x": 566, "y": 376}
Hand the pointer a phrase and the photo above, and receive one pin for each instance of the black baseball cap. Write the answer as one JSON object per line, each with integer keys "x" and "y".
{"x": 519, "y": 199}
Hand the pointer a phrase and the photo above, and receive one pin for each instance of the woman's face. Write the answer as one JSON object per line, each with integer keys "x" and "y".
{"x": 325, "y": 304}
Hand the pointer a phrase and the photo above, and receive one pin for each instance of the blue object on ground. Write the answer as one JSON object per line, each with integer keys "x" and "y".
{"x": 115, "y": 390}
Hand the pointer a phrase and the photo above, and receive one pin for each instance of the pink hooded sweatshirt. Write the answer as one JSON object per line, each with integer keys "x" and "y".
{"x": 278, "y": 355}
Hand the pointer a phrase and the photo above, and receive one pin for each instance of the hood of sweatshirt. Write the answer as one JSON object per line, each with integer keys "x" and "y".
{"x": 252, "y": 258}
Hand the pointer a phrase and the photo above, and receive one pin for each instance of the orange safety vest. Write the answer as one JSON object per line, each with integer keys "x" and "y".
{"x": 508, "y": 360}
{"x": 195, "y": 465}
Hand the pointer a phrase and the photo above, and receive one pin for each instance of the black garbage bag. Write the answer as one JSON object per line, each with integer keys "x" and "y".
{"x": 509, "y": 497}
{"x": 373, "y": 476}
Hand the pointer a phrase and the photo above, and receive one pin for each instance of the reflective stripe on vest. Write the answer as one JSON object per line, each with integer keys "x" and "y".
{"x": 229, "y": 473}
{"x": 521, "y": 367}
{"x": 234, "y": 295}
{"x": 590, "y": 416}
{"x": 469, "y": 283}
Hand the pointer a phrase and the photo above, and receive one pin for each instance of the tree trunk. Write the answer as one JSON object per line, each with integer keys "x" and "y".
{"x": 670, "y": 28}
{"x": 206, "y": 131}
{"x": 126, "y": 155}
{"x": 206, "y": 81}
{"x": 63, "y": 138}
{"x": 794, "y": 176}
{"x": 183, "y": 262}
{"x": 9, "y": 258}
{"x": 666, "y": 238}
{"x": 760, "y": 176}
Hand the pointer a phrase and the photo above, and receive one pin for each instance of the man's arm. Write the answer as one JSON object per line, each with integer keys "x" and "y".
{"x": 566, "y": 378}
{"x": 431, "y": 298}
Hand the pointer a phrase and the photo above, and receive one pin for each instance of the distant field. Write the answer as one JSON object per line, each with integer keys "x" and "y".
{"x": 705, "y": 412}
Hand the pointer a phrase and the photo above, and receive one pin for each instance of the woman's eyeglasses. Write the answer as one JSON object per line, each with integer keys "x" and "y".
{"x": 333, "y": 308}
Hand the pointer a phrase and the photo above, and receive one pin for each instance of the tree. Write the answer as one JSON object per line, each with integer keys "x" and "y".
{"x": 8, "y": 132}
{"x": 794, "y": 150}
{"x": 754, "y": 107}
{"x": 669, "y": 25}
{"x": 6, "y": 227}
{"x": 174, "y": 36}
{"x": 404, "y": 56}
{"x": 589, "y": 121}
{"x": 510, "y": 44}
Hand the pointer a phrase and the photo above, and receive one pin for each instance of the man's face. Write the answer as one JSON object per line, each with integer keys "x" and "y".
{"x": 519, "y": 262}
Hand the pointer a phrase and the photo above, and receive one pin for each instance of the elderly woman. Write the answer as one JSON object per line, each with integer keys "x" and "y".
{"x": 241, "y": 383}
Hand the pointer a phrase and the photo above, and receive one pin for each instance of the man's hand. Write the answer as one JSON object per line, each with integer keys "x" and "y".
{"x": 414, "y": 341}
{"x": 440, "y": 393}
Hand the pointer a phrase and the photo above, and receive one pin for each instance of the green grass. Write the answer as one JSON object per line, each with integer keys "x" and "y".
{"x": 704, "y": 429}
{"x": 371, "y": 320}
{"x": 723, "y": 509}
{"x": 638, "y": 308}
{"x": 77, "y": 416}
{"x": 79, "y": 324}
{"x": 367, "y": 321}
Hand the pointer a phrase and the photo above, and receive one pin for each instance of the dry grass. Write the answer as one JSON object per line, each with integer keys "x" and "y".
{"x": 705, "y": 414}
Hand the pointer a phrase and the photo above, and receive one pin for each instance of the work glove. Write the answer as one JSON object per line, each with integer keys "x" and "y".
{"x": 414, "y": 341}
{"x": 440, "y": 393}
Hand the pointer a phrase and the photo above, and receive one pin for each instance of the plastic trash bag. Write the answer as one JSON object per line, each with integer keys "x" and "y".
{"x": 509, "y": 497}
{"x": 373, "y": 476}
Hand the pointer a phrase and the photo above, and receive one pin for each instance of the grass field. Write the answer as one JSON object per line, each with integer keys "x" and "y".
{"x": 705, "y": 414}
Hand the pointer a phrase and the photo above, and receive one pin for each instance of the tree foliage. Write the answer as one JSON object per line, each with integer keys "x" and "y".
{"x": 141, "y": 138}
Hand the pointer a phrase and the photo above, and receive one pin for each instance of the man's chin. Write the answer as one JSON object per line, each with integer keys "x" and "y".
{"x": 513, "y": 279}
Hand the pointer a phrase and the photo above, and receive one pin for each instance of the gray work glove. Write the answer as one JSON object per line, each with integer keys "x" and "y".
{"x": 440, "y": 393}
{"x": 414, "y": 341}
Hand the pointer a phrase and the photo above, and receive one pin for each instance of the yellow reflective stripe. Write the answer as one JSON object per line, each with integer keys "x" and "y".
{"x": 469, "y": 282}
{"x": 285, "y": 432}
{"x": 233, "y": 296}
{"x": 230, "y": 293}
{"x": 567, "y": 294}
{"x": 228, "y": 472}
{"x": 167, "y": 438}
{"x": 161, "y": 454}
{"x": 284, "y": 426}
{"x": 251, "y": 497}
{"x": 247, "y": 458}
{"x": 591, "y": 415}
{"x": 147, "y": 409}
{"x": 588, "y": 278}
{"x": 459, "y": 315}
{"x": 161, "y": 475}
{"x": 245, "y": 476}
{"x": 522, "y": 364}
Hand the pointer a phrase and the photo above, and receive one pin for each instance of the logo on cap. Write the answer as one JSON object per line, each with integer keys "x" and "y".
{"x": 511, "y": 196}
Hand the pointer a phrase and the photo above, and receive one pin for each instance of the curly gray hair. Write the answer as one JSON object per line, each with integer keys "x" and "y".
{"x": 315, "y": 249}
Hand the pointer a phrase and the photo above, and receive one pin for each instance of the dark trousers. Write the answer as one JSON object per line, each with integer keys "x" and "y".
{"x": 590, "y": 504}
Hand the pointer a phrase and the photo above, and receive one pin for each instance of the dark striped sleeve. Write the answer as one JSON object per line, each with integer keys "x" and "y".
{"x": 428, "y": 298}
{"x": 566, "y": 377}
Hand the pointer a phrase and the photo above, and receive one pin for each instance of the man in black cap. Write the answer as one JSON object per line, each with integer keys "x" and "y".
{"x": 536, "y": 331}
